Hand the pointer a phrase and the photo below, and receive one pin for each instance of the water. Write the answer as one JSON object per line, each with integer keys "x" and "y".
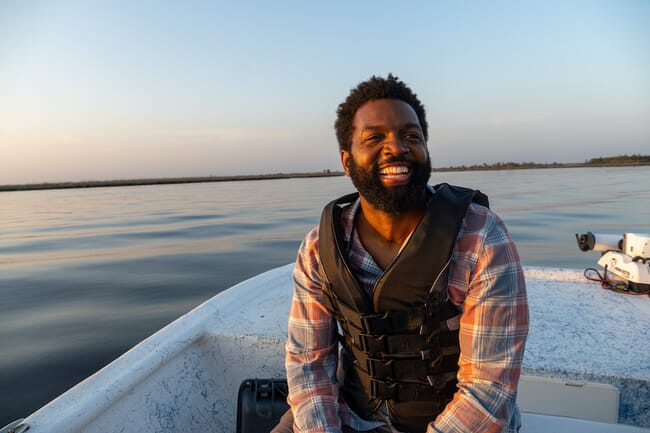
{"x": 87, "y": 273}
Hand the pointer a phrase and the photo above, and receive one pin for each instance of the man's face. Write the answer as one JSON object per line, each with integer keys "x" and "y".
{"x": 388, "y": 161}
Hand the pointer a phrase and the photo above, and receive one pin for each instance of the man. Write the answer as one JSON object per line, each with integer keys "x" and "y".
{"x": 420, "y": 287}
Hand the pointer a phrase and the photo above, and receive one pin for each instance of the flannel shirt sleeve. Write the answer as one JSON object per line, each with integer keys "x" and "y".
{"x": 493, "y": 328}
{"x": 311, "y": 348}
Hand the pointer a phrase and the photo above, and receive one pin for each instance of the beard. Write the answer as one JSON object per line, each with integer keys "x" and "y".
{"x": 392, "y": 200}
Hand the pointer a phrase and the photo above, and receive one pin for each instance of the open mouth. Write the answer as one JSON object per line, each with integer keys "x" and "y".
{"x": 395, "y": 174}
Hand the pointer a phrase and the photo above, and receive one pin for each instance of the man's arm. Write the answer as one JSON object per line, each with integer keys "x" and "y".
{"x": 311, "y": 349}
{"x": 493, "y": 328}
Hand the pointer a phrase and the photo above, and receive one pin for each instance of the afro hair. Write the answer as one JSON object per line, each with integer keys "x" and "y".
{"x": 374, "y": 88}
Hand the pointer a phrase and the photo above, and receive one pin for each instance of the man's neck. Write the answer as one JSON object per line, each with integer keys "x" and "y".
{"x": 383, "y": 234}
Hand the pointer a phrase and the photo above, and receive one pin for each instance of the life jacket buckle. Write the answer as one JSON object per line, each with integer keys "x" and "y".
{"x": 380, "y": 368}
{"x": 383, "y": 390}
{"x": 372, "y": 343}
{"x": 376, "y": 323}
{"x": 438, "y": 383}
{"x": 429, "y": 329}
{"x": 436, "y": 362}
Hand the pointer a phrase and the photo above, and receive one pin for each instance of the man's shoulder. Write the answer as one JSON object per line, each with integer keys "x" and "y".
{"x": 460, "y": 193}
{"x": 480, "y": 218}
{"x": 306, "y": 271}
{"x": 312, "y": 235}
{"x": 309, "y": 245}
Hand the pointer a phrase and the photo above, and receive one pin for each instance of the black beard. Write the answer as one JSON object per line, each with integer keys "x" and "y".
{"x": 394, "y": 200}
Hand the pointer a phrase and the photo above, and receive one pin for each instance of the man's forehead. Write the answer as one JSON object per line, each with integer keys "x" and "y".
{"x": 376, "y": 112}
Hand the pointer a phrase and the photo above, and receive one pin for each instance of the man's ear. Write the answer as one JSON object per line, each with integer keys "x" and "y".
{"x": 345, "y": 161}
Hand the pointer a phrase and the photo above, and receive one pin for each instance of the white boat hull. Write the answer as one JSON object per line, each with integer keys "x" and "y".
{"x": 187, "y": 375}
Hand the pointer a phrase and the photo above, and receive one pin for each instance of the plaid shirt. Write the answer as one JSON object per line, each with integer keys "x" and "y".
{"x": 486, "y": 283}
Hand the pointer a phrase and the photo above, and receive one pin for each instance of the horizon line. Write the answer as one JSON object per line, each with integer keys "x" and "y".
{"x": 638, "y": 160}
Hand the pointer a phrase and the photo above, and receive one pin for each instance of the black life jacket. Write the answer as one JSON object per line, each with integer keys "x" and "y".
{"x": 397, "y": 347}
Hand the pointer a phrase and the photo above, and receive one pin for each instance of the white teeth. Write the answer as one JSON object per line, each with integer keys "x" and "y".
{"x": 395, "y": 170}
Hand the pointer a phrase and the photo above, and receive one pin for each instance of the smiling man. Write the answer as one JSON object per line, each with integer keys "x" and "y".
{"x": 409, "y": 311}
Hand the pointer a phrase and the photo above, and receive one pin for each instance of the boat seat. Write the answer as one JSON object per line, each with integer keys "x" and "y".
{"x": 585, "y": 400}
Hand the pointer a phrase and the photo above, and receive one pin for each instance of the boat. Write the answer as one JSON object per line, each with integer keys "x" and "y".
{"x": 586, "y": 367}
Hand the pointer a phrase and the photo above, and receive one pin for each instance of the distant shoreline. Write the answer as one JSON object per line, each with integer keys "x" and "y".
{"x": 325, "y": 173}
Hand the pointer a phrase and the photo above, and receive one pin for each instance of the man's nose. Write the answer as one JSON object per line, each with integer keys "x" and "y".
{"x": 394, "y": 145}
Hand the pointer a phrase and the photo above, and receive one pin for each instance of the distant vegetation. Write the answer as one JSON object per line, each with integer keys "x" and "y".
{"x": 616, "y": 161}
{"x": 609, "y": 161}
{"x": 162, "y": 181}
{"x": 620, "y": 160}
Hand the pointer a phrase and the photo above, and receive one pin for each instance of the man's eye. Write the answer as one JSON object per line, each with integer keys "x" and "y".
{"x": 374, "y": 138}
{"x": 412, "y": 136}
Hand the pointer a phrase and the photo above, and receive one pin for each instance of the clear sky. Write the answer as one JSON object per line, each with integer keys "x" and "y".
{"x": 95, "y": 90}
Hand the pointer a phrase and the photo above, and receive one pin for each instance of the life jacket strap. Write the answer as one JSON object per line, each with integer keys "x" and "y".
{"x": 403, "y": 392}
{"x": 381, "y": 323}
{"x": 408, "y": 345}
{"x": 429, "y": 362}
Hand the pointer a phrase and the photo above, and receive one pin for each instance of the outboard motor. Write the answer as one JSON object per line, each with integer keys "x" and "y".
{"x": 625, "y": 256}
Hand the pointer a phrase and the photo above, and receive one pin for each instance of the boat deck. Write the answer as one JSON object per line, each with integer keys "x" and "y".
{"x": 187, "y": 375}
{"x": 581, "y": 332}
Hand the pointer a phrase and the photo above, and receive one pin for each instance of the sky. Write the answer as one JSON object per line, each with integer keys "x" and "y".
{"x": 99, "y": 89}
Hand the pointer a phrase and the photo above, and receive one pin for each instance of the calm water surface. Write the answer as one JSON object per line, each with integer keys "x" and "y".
{"x": 87, "y": 273}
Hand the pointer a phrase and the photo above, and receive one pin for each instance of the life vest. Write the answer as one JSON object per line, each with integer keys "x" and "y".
{"x": 397, "y": 346}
